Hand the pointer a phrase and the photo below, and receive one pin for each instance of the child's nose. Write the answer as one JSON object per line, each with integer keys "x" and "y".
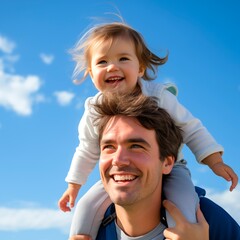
{"x": 112, "y": 67}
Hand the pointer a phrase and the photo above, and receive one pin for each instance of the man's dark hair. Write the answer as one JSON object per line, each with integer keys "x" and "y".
{"x": 147, "y": 112}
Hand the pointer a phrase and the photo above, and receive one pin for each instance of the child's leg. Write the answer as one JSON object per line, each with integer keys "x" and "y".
{"x": 90, "y": 211}
{"x": 179, "y": 189}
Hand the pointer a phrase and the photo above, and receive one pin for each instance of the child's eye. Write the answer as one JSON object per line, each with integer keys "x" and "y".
{"x": 101, "y": 62}
{"x": 124, "y": 59}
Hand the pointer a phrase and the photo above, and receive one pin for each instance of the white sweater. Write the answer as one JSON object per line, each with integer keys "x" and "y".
{"x": 195, "y": 135}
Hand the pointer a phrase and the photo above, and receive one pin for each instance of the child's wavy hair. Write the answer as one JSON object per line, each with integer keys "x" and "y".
{"x": 98, "y": 34}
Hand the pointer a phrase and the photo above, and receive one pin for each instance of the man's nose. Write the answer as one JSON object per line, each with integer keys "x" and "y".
{"x": 112, "y": 67}
{"x": 121, "y": 158}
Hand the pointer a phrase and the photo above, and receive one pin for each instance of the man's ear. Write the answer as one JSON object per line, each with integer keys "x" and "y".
{"x": 168, "y": 164}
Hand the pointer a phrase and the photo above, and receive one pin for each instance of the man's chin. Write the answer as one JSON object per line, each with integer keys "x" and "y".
{"x": 121, "y": 199}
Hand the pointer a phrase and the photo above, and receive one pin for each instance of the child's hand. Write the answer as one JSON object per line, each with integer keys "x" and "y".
{"x": 80, "y": 237}
{"x": 69, "y": 196}
{"x": 215, "y": 162}
{"x": 223, "y": 170}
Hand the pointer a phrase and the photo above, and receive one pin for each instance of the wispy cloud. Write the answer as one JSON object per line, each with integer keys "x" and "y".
{"x": 47, "y": 58}
{"x": 64, "y": 97}
{"x": 30, "y": 218}
{"x": 6, "y": 45}
{"x": 6, "y": 57}
{"x": 228, "y": 200}
{"x": 14, "y": 219}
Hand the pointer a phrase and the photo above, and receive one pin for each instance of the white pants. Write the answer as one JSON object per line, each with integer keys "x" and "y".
{"x": 177, "y": 188}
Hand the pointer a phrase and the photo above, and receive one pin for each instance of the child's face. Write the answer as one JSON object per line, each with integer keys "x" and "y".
{"x": 115, "y": 68}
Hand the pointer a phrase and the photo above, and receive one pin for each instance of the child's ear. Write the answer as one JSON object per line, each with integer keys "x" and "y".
{"x": 168, "y": 164}
{"x": 89, "y": 71}
{"x": 141, "y": 71}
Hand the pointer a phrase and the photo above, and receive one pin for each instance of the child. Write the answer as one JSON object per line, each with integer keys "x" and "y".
{"x": 117, "y": 59}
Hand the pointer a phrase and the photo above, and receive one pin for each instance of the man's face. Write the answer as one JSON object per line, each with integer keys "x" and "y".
{"x": 130, "y": 166}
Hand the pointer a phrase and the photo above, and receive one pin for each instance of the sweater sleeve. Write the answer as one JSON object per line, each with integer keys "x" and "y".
{"x": 87, "y": 152}
{"x": 195, "y": 135}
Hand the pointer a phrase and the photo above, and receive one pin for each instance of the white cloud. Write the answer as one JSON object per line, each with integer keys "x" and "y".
{"x": 47, "y": 58}
{"x": 6, "y": 45}
{"x": 64, "y": 98}
{"x": 19, "y": 93}
{"x": 227, "y": 200}
{"x": 33, "y": 219}
{"x": 36, "y": 218}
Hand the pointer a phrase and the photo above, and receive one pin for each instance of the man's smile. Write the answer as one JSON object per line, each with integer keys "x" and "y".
{"x": 123, "y": 178}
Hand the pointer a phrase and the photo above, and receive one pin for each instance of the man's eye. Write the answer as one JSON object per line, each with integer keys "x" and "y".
{"x": 136, "y": 146}
{"x": 107, "y": 147}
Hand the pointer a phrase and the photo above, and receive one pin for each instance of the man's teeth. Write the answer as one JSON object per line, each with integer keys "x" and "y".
{"x": 123, "y": 177}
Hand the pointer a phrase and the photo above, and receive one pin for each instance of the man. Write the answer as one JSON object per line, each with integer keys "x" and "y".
{"x": 139, "y": 144}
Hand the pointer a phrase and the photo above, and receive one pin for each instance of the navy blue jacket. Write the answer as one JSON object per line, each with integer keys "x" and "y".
{"x": 221, "y": 225}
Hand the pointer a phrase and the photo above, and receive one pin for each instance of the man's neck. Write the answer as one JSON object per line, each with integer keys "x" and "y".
{"x": 138, "y": 220}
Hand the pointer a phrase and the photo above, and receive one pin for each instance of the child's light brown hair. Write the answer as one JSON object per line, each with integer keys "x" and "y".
{"x": 108, "y": 32}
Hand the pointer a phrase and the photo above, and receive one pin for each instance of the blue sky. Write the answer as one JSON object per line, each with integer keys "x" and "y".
{"x": 40, "y": 107}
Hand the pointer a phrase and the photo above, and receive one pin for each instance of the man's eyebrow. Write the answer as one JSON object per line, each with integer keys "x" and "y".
{"x": 138, "y": 140}
{"x": 106, "y": 141}
{"x": 129, "y": 140}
